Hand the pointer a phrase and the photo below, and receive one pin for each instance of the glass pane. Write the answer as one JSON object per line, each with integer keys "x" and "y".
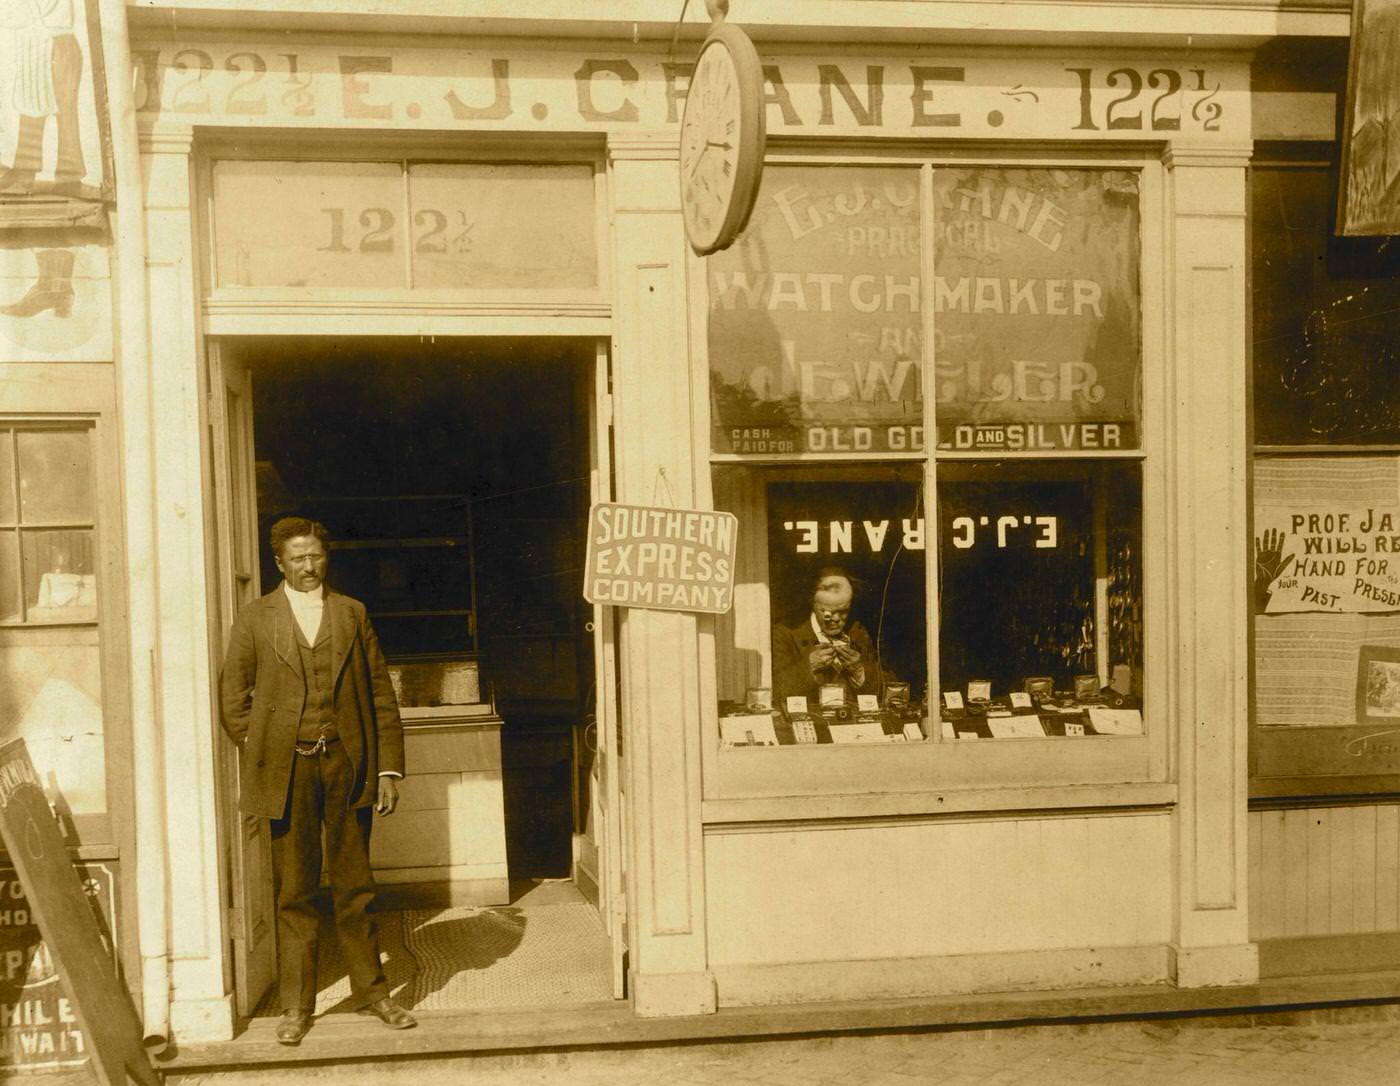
{"x": 9, "y": 577}
{"x": 1326, "y": 341}
{"x": 55, "y": 476}
{"x": 478, "y": 225}
{"x": 60, "y": 576}
{"x": 1040, "y": 576}
{"x": 814, "y": 331}
{"x": 309, "y": 224}
{"x": 52, "y": 698}
{"x": 827, "y": 628}
{"x": 7, "y": 478}
{"x": 1037, "y": 306}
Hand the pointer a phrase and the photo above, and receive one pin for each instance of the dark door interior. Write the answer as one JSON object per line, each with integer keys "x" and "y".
{"x": 453, "y": 478}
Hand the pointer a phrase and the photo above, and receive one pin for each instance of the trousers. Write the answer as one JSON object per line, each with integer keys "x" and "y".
{"x": 319, "y": 801}
{"x": 67, "y": 79}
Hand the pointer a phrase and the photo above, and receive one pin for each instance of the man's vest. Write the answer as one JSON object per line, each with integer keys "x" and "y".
{"x": 318, "y": 718}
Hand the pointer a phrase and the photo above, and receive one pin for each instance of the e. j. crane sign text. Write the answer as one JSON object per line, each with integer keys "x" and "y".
{"x": 663, "y": 559}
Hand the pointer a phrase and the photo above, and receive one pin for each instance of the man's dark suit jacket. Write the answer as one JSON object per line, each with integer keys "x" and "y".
{"x": 263, "y": 693}
{"x": 792, "y": 674}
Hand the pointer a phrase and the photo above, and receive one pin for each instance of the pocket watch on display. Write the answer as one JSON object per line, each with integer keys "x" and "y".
{"x": 722, "y": 138}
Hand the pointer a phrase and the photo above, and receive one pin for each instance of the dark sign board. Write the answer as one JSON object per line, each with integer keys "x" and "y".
{"x": 817, "y": 316}
{"x": 38, "y": 1028}
{"x": 57, "y": 901}
{"x": 1370, "y": 191}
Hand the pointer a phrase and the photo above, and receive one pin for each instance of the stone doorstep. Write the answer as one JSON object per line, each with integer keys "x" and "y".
{"x": 1296, "y": 1001}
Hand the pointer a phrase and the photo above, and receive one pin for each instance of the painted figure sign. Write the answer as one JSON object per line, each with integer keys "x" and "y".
{"x": 818, "y": 315}
{"x": 50, "y": 131}
{"x": 1370, "y": 191}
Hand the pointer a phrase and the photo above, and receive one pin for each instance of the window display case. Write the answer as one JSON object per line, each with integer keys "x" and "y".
{"x": 927, "y": 412}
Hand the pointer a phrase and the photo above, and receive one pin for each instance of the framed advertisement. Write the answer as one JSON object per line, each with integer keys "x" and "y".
{"x": 1378, "y": 686}
{"x": 1368, "y": 201}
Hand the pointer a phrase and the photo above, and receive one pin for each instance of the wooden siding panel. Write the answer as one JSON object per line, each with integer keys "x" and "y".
{"x": 1341, "y": 881}
{"x": 1363, "y": 849}
{"x": 1324, "y": 871}
{"x": 921, "y": 889}
{"x": 1388, "y": 868}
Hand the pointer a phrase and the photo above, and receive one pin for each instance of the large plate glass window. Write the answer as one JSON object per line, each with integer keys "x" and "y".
{"x": 926, "y": 388}
{"x": 1326, "y": 348}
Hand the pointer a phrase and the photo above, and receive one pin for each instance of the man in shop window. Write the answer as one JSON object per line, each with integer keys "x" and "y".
{"x": 830, "y": 648}
{"x": 306, "y": 695}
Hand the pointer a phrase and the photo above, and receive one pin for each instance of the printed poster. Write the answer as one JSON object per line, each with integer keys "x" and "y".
{"x": 1342, "y": 559}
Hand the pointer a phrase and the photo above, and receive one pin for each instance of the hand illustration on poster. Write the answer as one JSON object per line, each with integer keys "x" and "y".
{"x": 50, "y": 142}
{"x": 1342, "y": 560}
{"x": 1269, "y": 564}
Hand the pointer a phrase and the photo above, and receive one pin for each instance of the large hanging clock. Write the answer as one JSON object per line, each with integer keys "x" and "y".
{"x": 722, "y": 138}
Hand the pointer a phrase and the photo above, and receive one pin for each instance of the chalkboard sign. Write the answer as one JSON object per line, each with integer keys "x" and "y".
{"x": 38, "y": 1029}
{"x": 1326, "y": 341}
{"x": 100, "y": 1005}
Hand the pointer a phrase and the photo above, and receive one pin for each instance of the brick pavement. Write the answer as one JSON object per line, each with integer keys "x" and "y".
{"x": 1160, "y": 1053}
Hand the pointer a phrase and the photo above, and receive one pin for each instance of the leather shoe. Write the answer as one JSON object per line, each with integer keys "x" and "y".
{"x": 292, "y": 1027}
{"x": 390, "y": 1013}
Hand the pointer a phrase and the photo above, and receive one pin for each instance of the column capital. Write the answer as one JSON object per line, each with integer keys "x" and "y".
{"x": 653, "y": 146}
{"x": 1216, "y": 156}
{"x": 166, "y": 138}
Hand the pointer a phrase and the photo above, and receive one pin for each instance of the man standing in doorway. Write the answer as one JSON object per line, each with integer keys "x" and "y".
{"x": 306, "y": 696}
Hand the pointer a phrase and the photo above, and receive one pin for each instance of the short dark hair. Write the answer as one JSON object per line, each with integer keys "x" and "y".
{"x": 290, "y": 528}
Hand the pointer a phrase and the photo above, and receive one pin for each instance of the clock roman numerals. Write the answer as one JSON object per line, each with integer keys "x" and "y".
{"x": 720, "y": 157}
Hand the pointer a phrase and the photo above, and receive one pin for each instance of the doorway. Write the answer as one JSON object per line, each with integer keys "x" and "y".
{"x": 454, "y": 478}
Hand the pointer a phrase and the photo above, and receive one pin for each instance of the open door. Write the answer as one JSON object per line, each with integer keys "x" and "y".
{"x": 252, "y": 920}
{"x": 598, "y": 849}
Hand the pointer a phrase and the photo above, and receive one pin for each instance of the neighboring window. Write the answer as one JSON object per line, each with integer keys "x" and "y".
{"x": 48, "y": 572}
{"x": 50, "y": 654}
{"x": 1326, "y": 349}
{"x": 830, "y": 441}
{"x": 1326, "y": 577}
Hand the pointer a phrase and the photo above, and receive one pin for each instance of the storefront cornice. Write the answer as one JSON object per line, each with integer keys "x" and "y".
{"x": 629, "y": 23}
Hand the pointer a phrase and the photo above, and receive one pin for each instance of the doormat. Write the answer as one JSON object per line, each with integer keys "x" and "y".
{"x": 477, "y": 958}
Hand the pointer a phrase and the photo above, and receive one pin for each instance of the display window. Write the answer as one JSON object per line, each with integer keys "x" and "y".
{"x": 927, "y": 413}
{"x": 1326, "y": 488}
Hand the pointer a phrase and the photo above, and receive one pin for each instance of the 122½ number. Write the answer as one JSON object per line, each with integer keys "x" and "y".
{"x": 378, "y": 229}
{"x": 1165, "y": 100}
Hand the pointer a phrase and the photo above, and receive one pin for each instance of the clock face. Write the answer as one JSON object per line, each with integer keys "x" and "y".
{"x": 721, "y": 150}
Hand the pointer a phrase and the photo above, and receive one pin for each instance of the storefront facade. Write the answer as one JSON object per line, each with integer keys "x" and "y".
{"x": 985, "y": 346}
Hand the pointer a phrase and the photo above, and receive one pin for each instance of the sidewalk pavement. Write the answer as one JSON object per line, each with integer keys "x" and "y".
{"x": 1193, "y": 1052}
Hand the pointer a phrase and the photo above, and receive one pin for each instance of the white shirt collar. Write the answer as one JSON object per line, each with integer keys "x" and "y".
{"x": 314, "y": 598}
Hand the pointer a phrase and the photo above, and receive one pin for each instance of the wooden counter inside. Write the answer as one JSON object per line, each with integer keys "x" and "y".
{"x": 450, "y": 825}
